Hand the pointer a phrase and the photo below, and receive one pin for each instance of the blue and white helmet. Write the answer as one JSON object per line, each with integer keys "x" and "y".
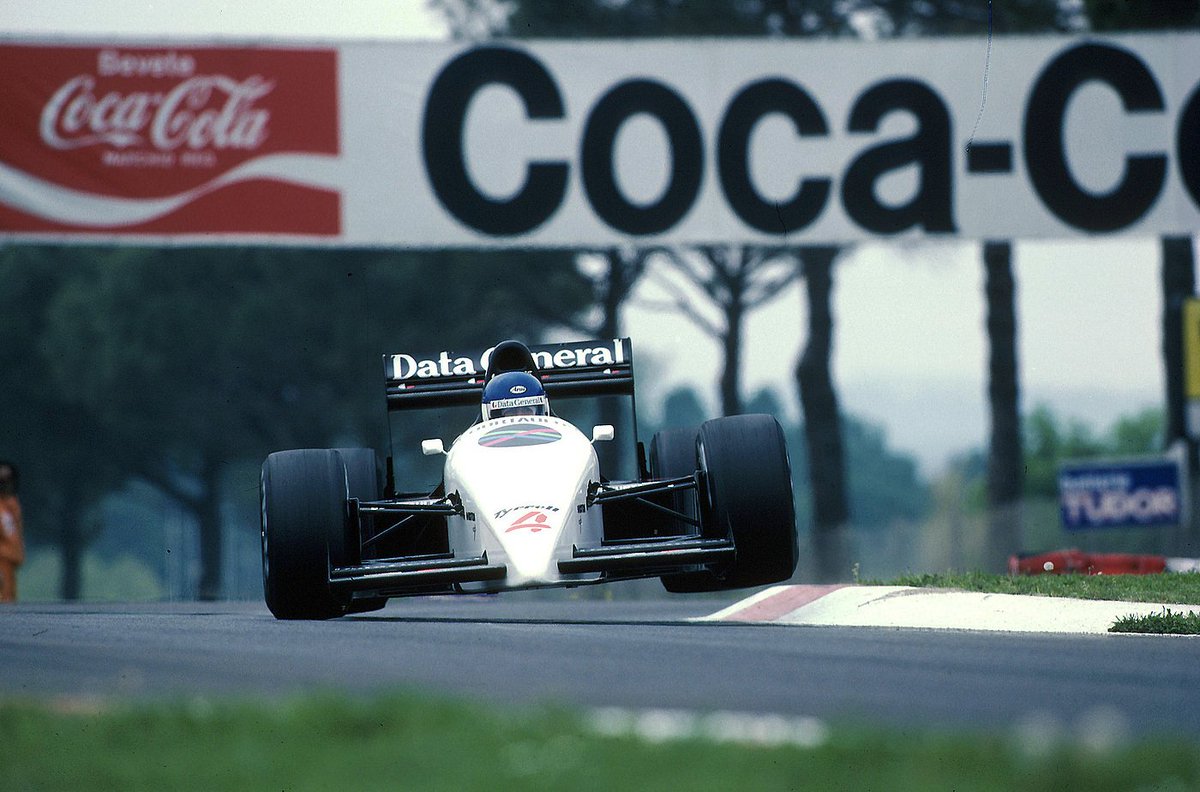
{"x": 514, "y": 393}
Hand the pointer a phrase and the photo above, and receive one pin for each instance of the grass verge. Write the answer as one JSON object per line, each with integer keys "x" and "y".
{"x": 412, "y": 743}
{"x": 1166, "y": 623}
{"x": 1175, "y": 589}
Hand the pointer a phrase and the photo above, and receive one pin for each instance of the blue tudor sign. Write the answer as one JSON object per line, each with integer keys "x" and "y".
{"x": 1120, "y": 494}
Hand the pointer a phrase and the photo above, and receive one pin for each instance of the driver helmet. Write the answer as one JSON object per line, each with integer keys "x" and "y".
{"x": 514, "y": 393}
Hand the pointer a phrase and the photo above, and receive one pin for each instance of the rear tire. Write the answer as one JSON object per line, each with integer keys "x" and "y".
{"x": 362, "y": 473}
{"x": 303, "y": 497}
{"x": 362, "y": 482}
{"x": 673, "y": 454}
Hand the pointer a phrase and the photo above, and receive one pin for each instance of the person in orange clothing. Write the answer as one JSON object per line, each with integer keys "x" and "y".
{"x": 12, "y": 545}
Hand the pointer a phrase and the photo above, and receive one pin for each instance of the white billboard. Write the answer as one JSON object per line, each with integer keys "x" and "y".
{"x": 598, "y": 143}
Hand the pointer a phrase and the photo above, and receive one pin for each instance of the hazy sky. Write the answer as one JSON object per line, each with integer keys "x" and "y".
{"x": 276, "y": 18}
{"x": 910, "y": 348}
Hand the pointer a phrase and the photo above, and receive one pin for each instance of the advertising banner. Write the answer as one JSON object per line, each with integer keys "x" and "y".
{"x": 167, "y": 141}
{"x": 600, "y": 143}
{"x": 1100, "y": 494}
{"x": 1191, "y": 365}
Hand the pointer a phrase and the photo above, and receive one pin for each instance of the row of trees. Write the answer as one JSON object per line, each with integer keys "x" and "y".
{"x": 169, "y": 374}
{"x": 167, "y": 367}
{"x": 171, "y": 371}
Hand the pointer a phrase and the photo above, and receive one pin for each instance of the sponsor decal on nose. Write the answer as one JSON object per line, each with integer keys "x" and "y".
{"x": 533, "y": 521}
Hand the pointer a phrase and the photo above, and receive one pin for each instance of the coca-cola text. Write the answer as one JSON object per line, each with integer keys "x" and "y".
{"x": 203, "y": 112}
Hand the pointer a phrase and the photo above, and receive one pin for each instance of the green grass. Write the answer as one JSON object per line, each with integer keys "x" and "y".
{"x": 1175, "y": 589}
{"x": 411, "y": 743}
{"x": 1169, "y": 588}
{"x": 1166, "y": 623}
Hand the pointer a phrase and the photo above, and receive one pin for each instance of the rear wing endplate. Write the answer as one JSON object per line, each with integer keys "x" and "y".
{"x": 577, "y": 368}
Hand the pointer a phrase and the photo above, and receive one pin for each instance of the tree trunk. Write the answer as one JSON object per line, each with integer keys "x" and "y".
{"x": 208, "y": 514}
{"x": 1179, "y": 284}
{"x": 623, "y": 271}
{"x": 822, "y": 420}
{"x": 1005, "y": 472}
{"x": 731, "y": 397}
{"x": 615, "y": 291}
{"x": 71, "y": 546}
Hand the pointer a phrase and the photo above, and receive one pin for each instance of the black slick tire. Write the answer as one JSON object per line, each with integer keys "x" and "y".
{"x": 303, "y": 497}
{"x": 749, "y": 497}
{"x": 673, "y": 454}
{"x": 362, "y": 482}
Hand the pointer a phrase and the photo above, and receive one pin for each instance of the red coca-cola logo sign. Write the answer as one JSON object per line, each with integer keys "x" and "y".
{"x": 202, "y": 112}
{"x": 171, "y": 140}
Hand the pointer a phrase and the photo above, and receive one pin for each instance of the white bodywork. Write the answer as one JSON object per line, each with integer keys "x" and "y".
{"x": 524, "y": 484}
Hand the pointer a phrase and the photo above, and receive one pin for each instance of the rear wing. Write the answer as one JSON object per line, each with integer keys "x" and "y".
{"x": 577, "y": 368}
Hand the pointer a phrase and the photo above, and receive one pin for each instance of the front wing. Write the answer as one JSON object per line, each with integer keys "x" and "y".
{"x": 442, "y": 573}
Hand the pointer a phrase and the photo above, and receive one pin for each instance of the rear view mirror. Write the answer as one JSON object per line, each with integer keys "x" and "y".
{"x": 432, "y": 447}
{"x": 602, "y": 433}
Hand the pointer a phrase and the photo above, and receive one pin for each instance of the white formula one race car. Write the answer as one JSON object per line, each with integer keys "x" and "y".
{"x": 522, "y": 502}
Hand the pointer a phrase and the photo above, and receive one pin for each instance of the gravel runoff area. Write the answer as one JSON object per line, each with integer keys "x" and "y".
{"x": 932, "y": 608}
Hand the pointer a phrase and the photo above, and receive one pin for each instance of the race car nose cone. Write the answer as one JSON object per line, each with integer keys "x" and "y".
{"x": 529, "y": 538}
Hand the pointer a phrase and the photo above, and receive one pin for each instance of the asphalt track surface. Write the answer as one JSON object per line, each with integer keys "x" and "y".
{"x": 634, "y": 654}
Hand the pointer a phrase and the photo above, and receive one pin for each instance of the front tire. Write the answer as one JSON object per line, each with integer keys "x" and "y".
{"x": 303, "y": 497}
{"x": 749, "y": 497}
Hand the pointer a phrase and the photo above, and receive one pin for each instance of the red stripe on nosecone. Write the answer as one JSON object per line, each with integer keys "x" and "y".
{"x": 491, "y": 441}
{"x": 782, "y": 603}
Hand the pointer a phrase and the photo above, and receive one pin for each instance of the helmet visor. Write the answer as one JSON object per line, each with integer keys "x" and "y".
{"x": 525, "y": 405}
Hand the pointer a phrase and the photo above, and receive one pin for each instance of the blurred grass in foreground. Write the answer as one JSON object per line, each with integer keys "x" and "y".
{"x": 411, "y": 743}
